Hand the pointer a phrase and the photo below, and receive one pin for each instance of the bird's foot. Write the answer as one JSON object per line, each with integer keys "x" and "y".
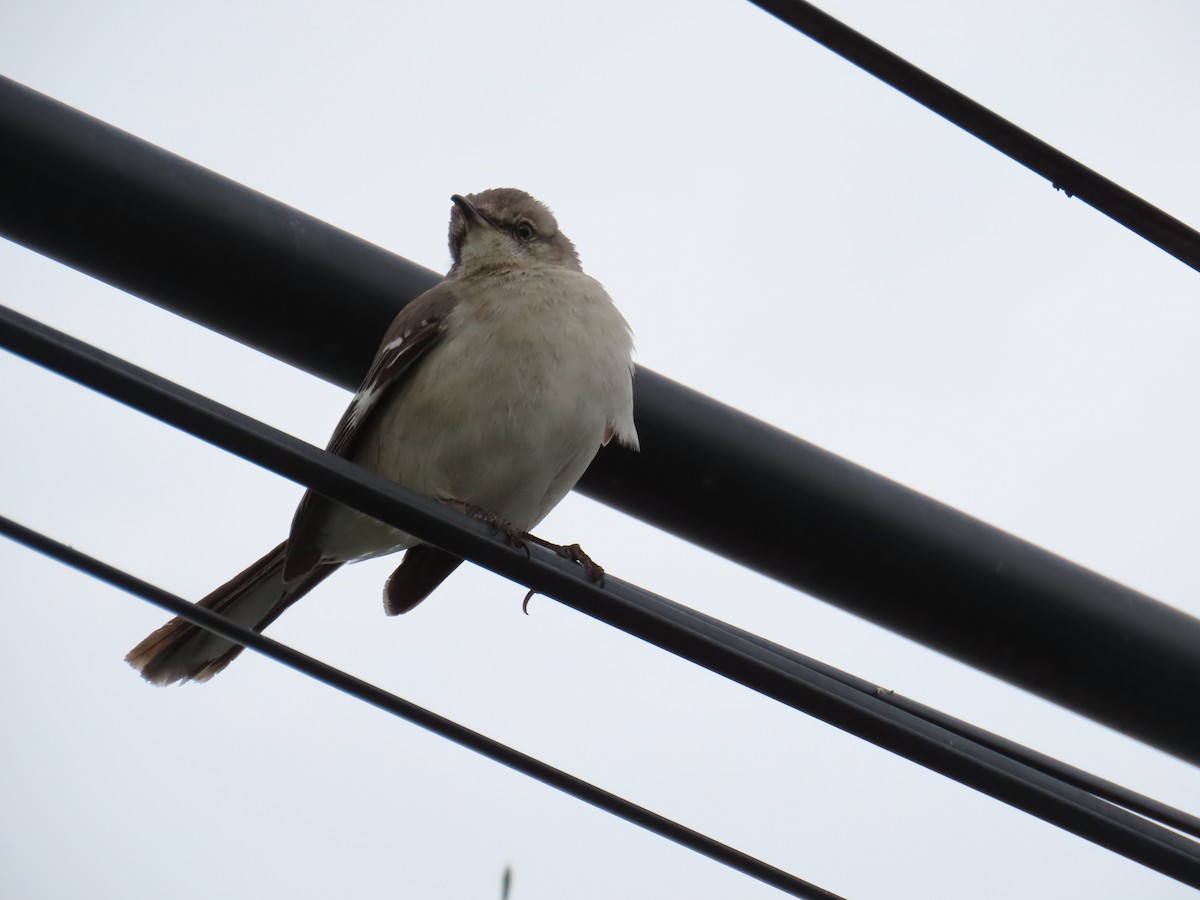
{"x": 575, "y": 554}
{"x": 571, "y": 552}
{"x": 515, "y": 537}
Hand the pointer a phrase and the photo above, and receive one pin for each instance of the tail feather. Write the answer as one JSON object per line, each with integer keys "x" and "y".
{"x": 423, "y": 568}
{"x": 256, "y": 597}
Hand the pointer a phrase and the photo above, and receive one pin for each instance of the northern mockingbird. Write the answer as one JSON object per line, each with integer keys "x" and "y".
{"x": 492, "y": 391}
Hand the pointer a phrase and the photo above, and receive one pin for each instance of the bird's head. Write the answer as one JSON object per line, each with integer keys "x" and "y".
{"x": 505, "y": 228}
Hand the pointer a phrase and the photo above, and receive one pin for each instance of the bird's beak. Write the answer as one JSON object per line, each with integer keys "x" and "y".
{"x": 470, "y": 212}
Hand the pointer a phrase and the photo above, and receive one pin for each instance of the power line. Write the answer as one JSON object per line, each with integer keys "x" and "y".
{"x": 187, "y": 239}
{"x": 1064, "y": 173}
{"x": 404, "y": 709}
{"x": 747, "y": 659}
{"x": 1085, "y": 781}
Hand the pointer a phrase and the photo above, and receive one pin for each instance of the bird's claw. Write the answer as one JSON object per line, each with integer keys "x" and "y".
{"x": 575, "y": 554}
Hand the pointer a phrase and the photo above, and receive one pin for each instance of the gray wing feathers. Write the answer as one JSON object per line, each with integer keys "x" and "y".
{"x": 413, "y": 333}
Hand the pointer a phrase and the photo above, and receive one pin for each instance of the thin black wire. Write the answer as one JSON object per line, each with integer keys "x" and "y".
{"x": 1063, "y": 172}
{"x": 404, "y": 709}
{"x": 1086, "y": 781}
{"x": 750, "y": 660}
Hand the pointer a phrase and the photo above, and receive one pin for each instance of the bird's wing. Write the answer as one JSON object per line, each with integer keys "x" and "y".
{"x": 413, "y": 333}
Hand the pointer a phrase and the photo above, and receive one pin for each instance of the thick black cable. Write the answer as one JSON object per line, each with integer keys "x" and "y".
{"x": 1064, "y": 173}
{"x": 718, "y": 647}
{"x": 404, "y": 709}
{"x": 187, "y": 239}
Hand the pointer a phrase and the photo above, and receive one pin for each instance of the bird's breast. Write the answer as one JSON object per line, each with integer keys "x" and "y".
{"x": 515, "y": 399}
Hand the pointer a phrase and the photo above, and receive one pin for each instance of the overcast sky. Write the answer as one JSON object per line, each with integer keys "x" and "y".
{"x": 784, "y": 233}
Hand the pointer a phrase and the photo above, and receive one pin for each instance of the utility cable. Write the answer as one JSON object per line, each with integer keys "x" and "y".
{"x": 1064, "y": 173}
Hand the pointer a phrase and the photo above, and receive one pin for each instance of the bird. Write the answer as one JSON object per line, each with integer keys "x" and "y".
{"x": 491, "y": 392}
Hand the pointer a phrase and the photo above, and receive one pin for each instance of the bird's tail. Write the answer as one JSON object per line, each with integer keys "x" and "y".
{"x": 181, "y": 651}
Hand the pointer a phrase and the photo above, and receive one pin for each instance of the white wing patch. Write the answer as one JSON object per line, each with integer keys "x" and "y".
{"x": 398, "y": 342}
{"x": 365, "y": 399}
{"x": 362, "y": 403}
{"x": 392, "y": 361}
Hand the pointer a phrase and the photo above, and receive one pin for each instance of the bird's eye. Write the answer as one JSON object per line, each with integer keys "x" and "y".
{"x": 524, "y": 230}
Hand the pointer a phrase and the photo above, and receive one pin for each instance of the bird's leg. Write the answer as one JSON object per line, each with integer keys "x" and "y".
{"x": 520, "y": 540}
{"x": 514, "y": 537}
